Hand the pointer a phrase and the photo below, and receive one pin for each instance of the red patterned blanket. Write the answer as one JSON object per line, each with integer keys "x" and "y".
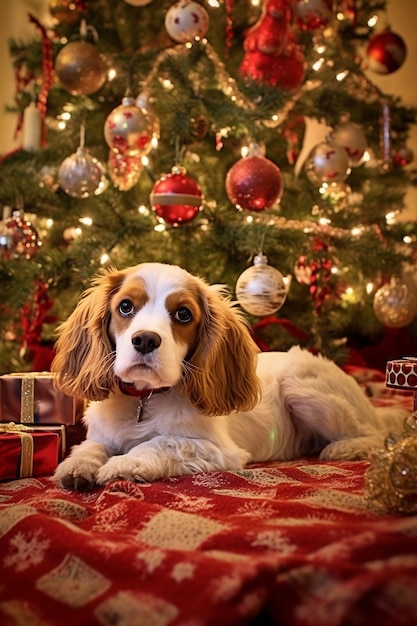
{"x": 278, "y": 543}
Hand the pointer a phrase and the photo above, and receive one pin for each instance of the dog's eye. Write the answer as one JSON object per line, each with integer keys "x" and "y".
{"x": 183, "y": 315}
{"x": 126, "y": 307}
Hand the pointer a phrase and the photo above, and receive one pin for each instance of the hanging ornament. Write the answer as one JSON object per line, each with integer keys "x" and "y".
{"x": 327, "y": 163}
{"x": 302, "y": 270}
{"x": 129, "y": 128}
{"x": 66, "y": 11}
{"x": 385, "y": 160}
{"x": 176, "y": 197}
{"x": 313, "y": 14}
{"x": 18, "y": 238}
{"x": 351, "y": 137}
{"x": 395, "y": 303}
{"x": 386, "y": 52}
{"x": 186, "y": 20}
{"x": 272, "y": 55}
{"x": 32, "y": 126}
{"x": 80, "y": 67}
{"x": 254, "y": 183}
{"x": 124, "y": 171}
{"x": 81, "y": 175}
{"x": 261, "y": 290}
{"x": 402, "y": 157}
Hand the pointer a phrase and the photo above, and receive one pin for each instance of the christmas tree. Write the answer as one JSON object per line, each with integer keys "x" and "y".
{"x": 242, "y": 141}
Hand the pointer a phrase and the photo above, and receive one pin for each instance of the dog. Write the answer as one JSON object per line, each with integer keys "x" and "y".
{"x": 176, "y": 385}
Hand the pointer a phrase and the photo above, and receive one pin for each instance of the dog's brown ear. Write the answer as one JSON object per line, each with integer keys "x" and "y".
{"x": 84, "y": 353}
{"x": 222, "y": 376}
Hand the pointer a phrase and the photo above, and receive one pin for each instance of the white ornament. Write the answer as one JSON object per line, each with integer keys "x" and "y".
{"x": 81, "y": 175}
{"x": 327, "y": 163}
{"x": 261, "y": 290}
{"x": 186, "y": 20}
{"x": 350, "y": 136}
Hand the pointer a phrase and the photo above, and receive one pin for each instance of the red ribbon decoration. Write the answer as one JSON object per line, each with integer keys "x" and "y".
{"x": 287, "y": 325}
{"x": 33, "y": 315}
{"x": 320, "y": 274}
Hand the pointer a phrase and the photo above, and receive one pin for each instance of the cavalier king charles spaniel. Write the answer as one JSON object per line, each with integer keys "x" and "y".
{"x": 177, "y": 385}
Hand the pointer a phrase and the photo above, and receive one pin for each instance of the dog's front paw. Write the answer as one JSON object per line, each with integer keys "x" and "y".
{"x": 77, "y": 473}
{"x": 127, "y": 468}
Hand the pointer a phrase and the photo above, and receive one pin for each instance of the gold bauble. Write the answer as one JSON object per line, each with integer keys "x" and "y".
{"x": 81, "y": 68}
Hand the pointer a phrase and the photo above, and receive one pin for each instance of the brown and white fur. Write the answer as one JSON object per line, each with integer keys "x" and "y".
{"x": 208, "y": 399}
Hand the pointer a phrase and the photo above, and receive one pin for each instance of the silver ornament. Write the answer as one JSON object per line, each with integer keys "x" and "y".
{"x": 81, "y": 175}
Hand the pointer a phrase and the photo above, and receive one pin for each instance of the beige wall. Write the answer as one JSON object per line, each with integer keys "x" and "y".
{"x": 402, "y": 16}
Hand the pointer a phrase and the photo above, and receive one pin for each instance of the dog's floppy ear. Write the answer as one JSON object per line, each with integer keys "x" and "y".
{"x": 84, "y": 353}
{"x": 222, "y": 377}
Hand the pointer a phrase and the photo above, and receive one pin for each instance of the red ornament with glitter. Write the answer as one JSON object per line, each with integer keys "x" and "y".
{"x": 272, "y": 55}
{"x": 254, "y": 183}
{"x": 386, "y": 52}
{"x": 176, "y": 197}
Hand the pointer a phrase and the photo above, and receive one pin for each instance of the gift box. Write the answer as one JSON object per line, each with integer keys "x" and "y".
{"x": 32, "y": 398}
{"x": 30, "y": 451}
{"x": 402, "y": 374}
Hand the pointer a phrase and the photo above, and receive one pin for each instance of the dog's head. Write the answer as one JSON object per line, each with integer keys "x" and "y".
{"x": 155, "y": 326}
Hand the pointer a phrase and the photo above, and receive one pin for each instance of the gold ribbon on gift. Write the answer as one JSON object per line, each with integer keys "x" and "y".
{"x": 27, "y": 397}
{"x": 26, "y": 439}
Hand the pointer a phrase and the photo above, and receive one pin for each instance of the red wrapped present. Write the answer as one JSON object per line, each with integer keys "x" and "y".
{"x": 30, "y": 451}
{"x": 32, "y": 398}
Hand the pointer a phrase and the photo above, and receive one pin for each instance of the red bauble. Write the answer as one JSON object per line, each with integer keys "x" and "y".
{"x": 386, "y": 52}
{"x": 254, "y": 183}
{"x": 176, "y": 197}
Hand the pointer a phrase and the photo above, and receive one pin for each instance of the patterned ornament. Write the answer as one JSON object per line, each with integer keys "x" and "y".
{"x": 395, "y": 303}
{"x": 402, "y": 157}
{"x": 312, "y": 14}
{"x": 176, "y": 197}
{"x": 129, "y": 128}
{"x": 66, "y": 11}
{"x": 81, "y": 175}
{"x": 186, "y": 20}
{"x": 254, "y": 183}
{"x": 302, "y": 270}
{"x": 261, "y": 290}
{"x": 386, "y": 52}
{"x": 124, "y": 171}
{"x": 18, "y": 238}
{"x": 351, "y": 137}
{"x": 81, "y": 68}
{"x": 327, "y": 163}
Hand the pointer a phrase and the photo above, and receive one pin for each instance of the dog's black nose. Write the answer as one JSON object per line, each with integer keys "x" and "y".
{"x": 146, "y": 341}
